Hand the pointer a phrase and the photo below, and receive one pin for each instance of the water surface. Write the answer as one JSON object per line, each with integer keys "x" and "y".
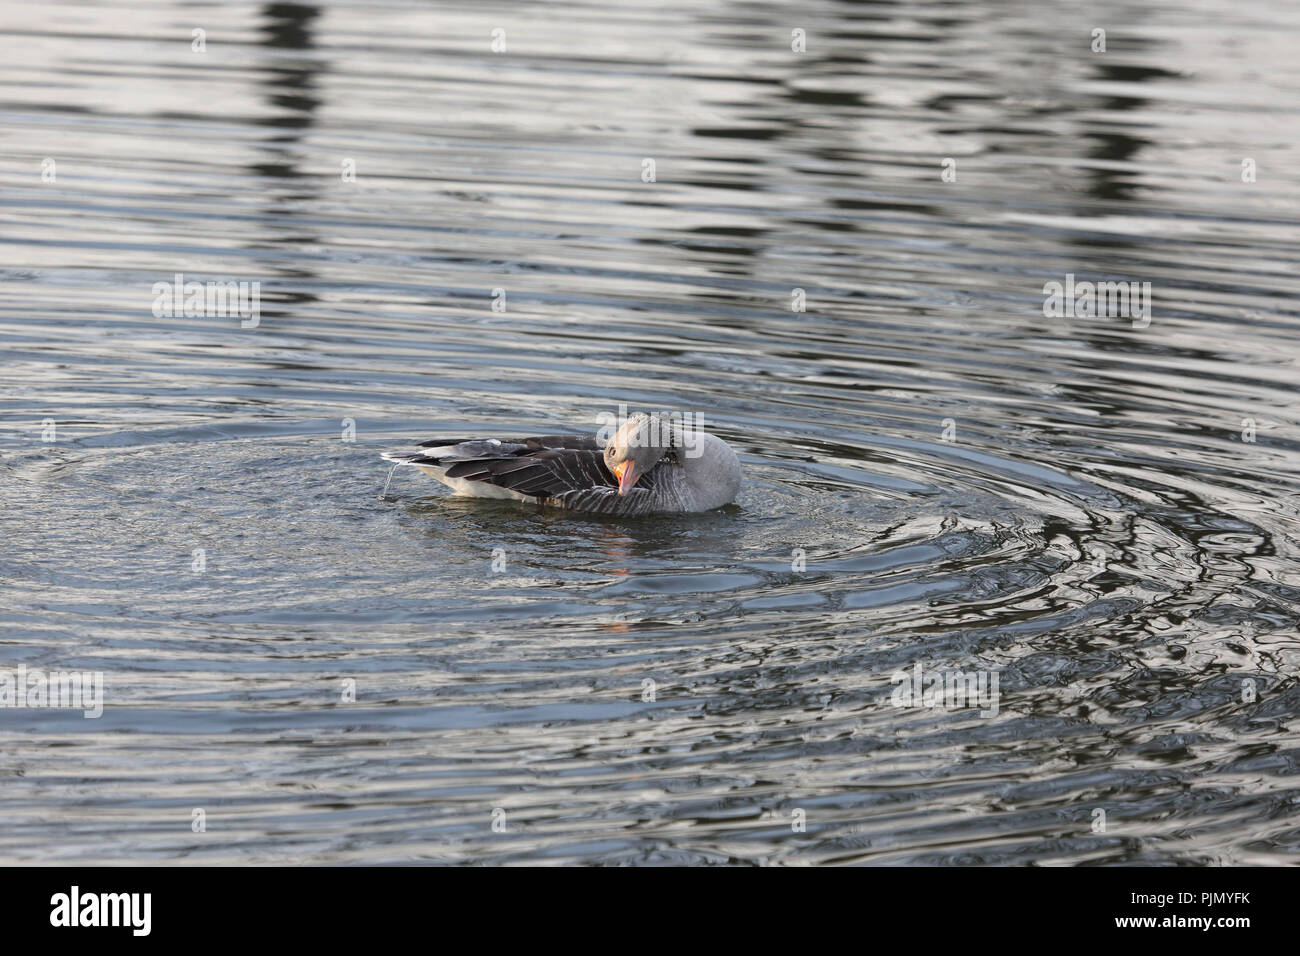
{"x": 936, "y": 472}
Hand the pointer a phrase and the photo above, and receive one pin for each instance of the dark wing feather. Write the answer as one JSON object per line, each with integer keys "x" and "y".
{"x": 557, "y": 467}
{"x": 545, "y": 474}
{"x": 637, "y": 501}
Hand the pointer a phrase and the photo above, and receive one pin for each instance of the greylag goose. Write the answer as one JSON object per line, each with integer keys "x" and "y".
{"x": 651, "y": 465}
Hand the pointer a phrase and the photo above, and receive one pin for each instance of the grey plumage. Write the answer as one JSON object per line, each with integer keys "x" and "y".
{"x": 574, "y": 472}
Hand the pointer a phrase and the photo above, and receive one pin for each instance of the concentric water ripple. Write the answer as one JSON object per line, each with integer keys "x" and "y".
{"x": 1105, "y": 516}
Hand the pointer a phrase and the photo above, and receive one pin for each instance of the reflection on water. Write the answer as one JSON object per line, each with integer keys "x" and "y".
{"x": 1104, "y": 516}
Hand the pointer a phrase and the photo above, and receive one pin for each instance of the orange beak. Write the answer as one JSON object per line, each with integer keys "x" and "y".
{"x": 627, "y": 476}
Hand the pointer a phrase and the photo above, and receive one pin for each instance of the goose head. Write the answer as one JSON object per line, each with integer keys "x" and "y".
{"x": 641, "y": 444}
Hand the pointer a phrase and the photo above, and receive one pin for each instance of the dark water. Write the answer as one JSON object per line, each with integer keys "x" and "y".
{"x": 1073, "y": 504}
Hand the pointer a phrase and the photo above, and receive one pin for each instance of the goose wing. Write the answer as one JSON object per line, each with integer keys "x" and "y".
{"x": 566, "y": 468}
